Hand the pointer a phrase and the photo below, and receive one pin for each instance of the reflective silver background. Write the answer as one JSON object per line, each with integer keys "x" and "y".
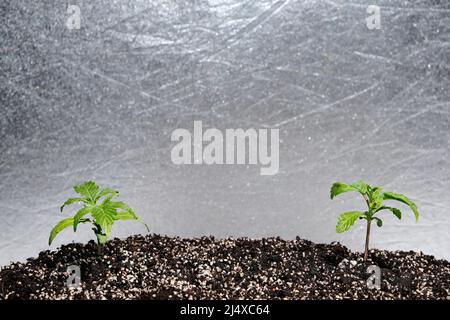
{"x": 101, "y": 103}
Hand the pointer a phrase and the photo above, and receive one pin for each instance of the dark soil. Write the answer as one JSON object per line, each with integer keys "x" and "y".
{"x": 156, "y": 267}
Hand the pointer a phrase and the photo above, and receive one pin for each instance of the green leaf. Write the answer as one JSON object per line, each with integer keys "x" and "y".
{"x": 395, "y": 211}
{"x": 360, "y": 186}
{"x": 80, "y": 214}
{"x": 338, "y": 187}
{"x": 375, "y": 198}
{"x": 347, "y": 220}
{"x": 120, "y": 205}
{"x": 61, "y": 226}
{"x": 130, "y": 215}
{"x": 72, "y": 200}
{"x": 104, "y": 216}
{"x": 379, "y": 221}
{"x": 126, "y": 215}
{"x": 89, "y": 189}
{"x": 106, "y": 192}
{"x": 58, "y": 228}
{"x": 403, "y": 199}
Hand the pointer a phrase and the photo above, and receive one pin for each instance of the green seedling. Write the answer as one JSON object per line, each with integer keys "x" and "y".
{"x": 101, "y": 215}
{"x": 374, "y": 198}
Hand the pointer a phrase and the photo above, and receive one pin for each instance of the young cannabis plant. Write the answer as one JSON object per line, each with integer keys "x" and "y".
{"x": 374, "y": 198}
{"x": 102, "y": 214}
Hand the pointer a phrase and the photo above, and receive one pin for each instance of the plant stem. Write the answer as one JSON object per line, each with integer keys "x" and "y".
{"x": 369, "y": 220}
{"x": 366, "y": 249}
{"x": 367, "y": 200}
{"x": 99, "y": 249}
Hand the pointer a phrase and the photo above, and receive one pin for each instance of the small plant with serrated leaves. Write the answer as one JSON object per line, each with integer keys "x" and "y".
{"x": 98, "y": 209}
{"x": 374, "y": 198}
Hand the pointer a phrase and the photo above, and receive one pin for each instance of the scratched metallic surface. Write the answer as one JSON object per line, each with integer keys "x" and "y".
{"x": 101, "y": 103}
